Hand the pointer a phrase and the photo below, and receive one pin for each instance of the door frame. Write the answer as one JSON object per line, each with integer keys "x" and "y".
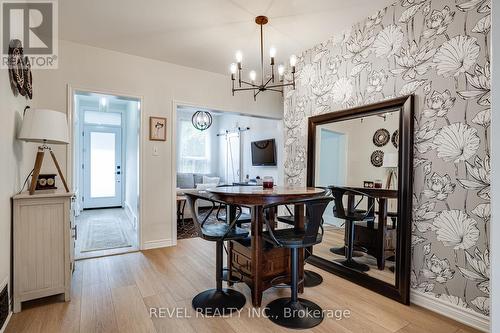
{"x": 172, "y": 126}
{"x": 72, "y": 114}
{"x": 85, "y": 182}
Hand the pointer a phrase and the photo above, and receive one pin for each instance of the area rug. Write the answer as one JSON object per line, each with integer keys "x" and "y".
{"x": 105, "y": 234}
{"x": 187, "y": 229}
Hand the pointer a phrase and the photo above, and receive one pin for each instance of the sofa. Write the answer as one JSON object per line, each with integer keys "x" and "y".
{"x": 192, "y": 181}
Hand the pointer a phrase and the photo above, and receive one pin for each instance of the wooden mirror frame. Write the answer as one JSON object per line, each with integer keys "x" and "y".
{"x": 404, "y": 105}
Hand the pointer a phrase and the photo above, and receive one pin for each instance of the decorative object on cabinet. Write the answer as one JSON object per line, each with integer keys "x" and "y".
{"x": 395, "y": 139}
{"x": 377, "y": 158}
{"x": 391, "y": 163}
{"x": 45, "y": 127}
{"x": 381, "y": 137}
{"x": 43, "y": 246}
{"x": 157, "y": 129}
{"x": 46, "y": 182}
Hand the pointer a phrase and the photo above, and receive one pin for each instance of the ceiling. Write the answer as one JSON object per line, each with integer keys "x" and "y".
{"x": 205, "y": 34}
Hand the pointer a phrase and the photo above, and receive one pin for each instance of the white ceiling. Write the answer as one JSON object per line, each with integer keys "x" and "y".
{"x": 205, "y": 34}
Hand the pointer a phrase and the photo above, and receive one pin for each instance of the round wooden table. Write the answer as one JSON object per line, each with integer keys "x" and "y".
{"x": 263, "y": 265}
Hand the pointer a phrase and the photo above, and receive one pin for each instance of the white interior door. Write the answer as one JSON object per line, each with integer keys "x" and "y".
{"x": 102, "y": 166}
{"x": 233, "y": 166}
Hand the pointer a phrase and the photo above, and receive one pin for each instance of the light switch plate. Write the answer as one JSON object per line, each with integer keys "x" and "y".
{"x": 156, "y": 152}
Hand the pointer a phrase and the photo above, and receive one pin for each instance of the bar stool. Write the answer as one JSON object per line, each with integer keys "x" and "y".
{"x": 294, "y": 312}
{"x": 350, "y": 217}
{"x": 218, "y": 301}
{"x": 311, "y": 279}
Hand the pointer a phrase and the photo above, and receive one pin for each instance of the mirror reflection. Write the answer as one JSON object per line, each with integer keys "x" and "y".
{"x": 359, "y": 159}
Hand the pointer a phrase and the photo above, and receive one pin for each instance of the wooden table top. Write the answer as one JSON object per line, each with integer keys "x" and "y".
{"x": 257, "y": 195}
{"x": 375, "y": 192}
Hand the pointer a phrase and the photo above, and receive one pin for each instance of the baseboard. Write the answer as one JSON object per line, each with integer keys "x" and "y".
{"x": 130, "y": 213}
{"x": 464, "y": 316}
{"x": 2, "y": 329}
{"x": 157, "y": 244}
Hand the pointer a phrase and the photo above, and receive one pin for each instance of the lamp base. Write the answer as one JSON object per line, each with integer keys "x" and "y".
{"x": 38, "y": 166}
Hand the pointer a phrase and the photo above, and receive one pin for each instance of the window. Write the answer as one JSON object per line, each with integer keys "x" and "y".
{"x": 194, "y": 149}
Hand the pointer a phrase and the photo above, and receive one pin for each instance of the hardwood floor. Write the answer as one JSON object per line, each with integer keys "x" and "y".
{"x": 117, "y": 293}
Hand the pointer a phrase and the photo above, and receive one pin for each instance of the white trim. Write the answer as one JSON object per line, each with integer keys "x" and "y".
{"x": 464, "y": 316}
{"x": 130, "y": 214}
{"x": 156, "y": 244}
{"x": 71, "y": 89}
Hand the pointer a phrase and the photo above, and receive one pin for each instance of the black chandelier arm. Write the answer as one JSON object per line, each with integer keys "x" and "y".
{"x": 265, "y": 84}
{"x": 250, "y": 84}
{"x": 277, "y": 90}
{"x": 281, "y": 85}
{"x": 246, "y": 89}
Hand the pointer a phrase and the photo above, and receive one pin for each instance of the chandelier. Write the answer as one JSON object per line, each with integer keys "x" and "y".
{"x": 270, "y": 84}
{"x": 201, "y": 120}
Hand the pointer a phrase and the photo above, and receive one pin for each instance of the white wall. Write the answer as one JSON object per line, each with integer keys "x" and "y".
{"x": 495, "y": 184}
{"x": 11, "y": 109}
{"x": 260, "y": 129}
{"x": 159, "y": 84}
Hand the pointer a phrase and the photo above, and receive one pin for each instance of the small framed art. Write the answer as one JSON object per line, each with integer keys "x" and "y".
{"x": 157, "y": 129}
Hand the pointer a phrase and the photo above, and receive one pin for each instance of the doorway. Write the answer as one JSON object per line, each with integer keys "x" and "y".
{"x": 106, "y": 136}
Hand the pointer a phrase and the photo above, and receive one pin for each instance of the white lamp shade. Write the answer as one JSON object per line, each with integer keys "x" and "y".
{"x": 44, "y": 126}
{"x": 390, "y": 160}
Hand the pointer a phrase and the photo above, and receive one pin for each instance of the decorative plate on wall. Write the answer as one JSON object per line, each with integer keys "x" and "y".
{"x": 377, "y": 158}
{"x": 19, "y": 70}
{"x": 395, "y": 138}
{"x": 381, "y": 137}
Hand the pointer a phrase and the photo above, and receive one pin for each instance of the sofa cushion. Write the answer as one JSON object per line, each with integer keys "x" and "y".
{"x": 198, "y": 177}
{"x": 211, "y": 180}
{"x": 185, "y": 180}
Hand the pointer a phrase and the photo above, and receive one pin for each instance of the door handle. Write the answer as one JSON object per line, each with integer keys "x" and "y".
{"x": 75, "y": 229}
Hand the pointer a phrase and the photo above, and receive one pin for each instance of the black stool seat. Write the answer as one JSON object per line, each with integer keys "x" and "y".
{"x": 214, "y": 232}
{"x": 292, "y": 238}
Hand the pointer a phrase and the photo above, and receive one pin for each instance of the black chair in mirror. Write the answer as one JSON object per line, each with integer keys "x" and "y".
{"x": 351, "y": 215}
{"x": 294, "y": 312}
{"x": 218, "y": 301}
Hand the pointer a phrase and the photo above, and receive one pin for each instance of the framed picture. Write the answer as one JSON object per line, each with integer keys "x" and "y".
{"x": 157, "y": 129}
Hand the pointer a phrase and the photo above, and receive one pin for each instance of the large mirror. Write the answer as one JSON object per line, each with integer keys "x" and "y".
{"x": 365, "y": 156}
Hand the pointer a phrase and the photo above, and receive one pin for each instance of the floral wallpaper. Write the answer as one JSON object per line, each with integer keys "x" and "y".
{"x": 439, "y": 51}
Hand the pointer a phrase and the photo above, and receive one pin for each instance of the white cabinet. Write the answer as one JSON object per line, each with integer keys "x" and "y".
{"x": 43, "y": 246}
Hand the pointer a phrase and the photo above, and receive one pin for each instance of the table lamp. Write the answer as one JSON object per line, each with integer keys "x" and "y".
{"x": 391, "y": 162}
{"x": 45, "y": 127}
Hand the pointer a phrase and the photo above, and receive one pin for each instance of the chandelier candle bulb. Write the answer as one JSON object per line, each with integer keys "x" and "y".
{"x": 272, "y": 54}
{"x": 253, "y": 76}
{"x": 281, "y": 71}
{"x": 239, "y": 58}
